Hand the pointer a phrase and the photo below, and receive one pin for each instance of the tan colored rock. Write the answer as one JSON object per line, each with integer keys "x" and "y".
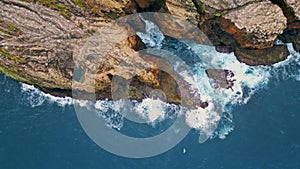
{"x": 41, "y": 46}
{"x": 40, "y": 43}
{"x": 258, "y": 24}
{"x": 184, "y": 9}
{"x": 295, "y": 5}
{"x": 226, "y": 4}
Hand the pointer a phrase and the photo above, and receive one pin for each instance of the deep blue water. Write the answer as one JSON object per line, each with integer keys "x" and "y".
{"x": 266, "y": 136}
{"x": 38, "y": 133}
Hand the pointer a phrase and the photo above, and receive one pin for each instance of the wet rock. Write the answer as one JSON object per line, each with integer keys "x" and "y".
{"x": 267, "y": 56}
{"x": 145, "y": 3}
{"x": 292, "y": 35}
{"x": 222, "y": 78}
{"x": 151, "y": 5}
{"x": 225, "y": 49}
{"x": 40, "y": 42}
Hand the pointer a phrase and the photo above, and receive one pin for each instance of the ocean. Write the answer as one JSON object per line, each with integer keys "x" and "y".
{"x": 253, "y": 126}
{"x": 266, "y": 136}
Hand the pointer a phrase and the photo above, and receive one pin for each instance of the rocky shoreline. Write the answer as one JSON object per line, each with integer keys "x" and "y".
{"x": 39, "y": 39}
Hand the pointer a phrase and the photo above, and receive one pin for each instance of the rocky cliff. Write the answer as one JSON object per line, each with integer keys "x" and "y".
{"x": 40, "y": 38}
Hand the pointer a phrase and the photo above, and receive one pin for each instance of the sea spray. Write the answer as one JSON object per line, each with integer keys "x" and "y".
{"x": 153, "y": 37}
{"x": 248, "y": 79}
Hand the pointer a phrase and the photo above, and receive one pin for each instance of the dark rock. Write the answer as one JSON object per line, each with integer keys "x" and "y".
{"x": 222, "y": 78}
{"x": 292, "y": 35}
{"x": 40, "y": 43}
{"x": 267, "y": 56}
{"x": 225, "y": 49}
{"x": 136, "y": 43}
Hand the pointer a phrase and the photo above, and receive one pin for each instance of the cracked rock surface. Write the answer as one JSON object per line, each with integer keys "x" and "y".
{"x": 40, "y": 41}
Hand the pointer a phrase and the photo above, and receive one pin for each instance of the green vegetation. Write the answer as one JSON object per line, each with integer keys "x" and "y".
{"x": 63, "y": 9}
{"x": 88, "y": 5}
{"x": 12, "y": 74}
{"x": 4, "y": 53}
{"x": 200, "y": 7}
{"x": 12, "y": 28}
{"x": 9, "y": 29}
{"x": 218, "y": 14}
{"x": 3, "y": 32}
{"x": 80, "y": 3}
{"x": 11, "y": 56}
{"x": 61, "y": 6}
{"x": 9, "y": 72}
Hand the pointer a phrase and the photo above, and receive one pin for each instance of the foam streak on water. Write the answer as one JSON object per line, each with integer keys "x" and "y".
{"x": 248, "y": 79}
{"x": 153, "y": 37}
{"x": 36, "y": 97}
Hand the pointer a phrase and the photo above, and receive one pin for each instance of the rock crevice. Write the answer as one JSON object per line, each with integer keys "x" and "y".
{"x": 40, "y": 39}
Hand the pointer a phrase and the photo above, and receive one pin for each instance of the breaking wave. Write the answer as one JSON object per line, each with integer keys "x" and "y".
{"x": 36, "y": 98}
{"x": 216, "y": 119}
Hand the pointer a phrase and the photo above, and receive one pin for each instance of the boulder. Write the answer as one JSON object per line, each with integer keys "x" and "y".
{"x": 40, "y": 42}
{"x": 256, "y": 25}
{"x": 255, "y": 57}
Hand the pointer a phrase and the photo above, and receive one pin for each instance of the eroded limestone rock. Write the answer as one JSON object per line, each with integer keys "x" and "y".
{"x": 40, "y": 41}
{"x": 256, "y": 25}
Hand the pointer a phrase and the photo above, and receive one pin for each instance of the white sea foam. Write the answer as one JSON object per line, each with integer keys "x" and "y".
{"x": 289, "y": 68}
{"x": 110, "y": 111}
{"x": 37, "y": 97}
{"x": 203, "y": 119}
{"x": 155, "y": 110}
{"x": 248, "y": 79}
{"x": 153, "y": 36}
{"x": 151, "y": 109}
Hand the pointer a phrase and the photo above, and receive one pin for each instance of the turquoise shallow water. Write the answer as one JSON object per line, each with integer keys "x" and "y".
{"x": 266, "y": 136}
